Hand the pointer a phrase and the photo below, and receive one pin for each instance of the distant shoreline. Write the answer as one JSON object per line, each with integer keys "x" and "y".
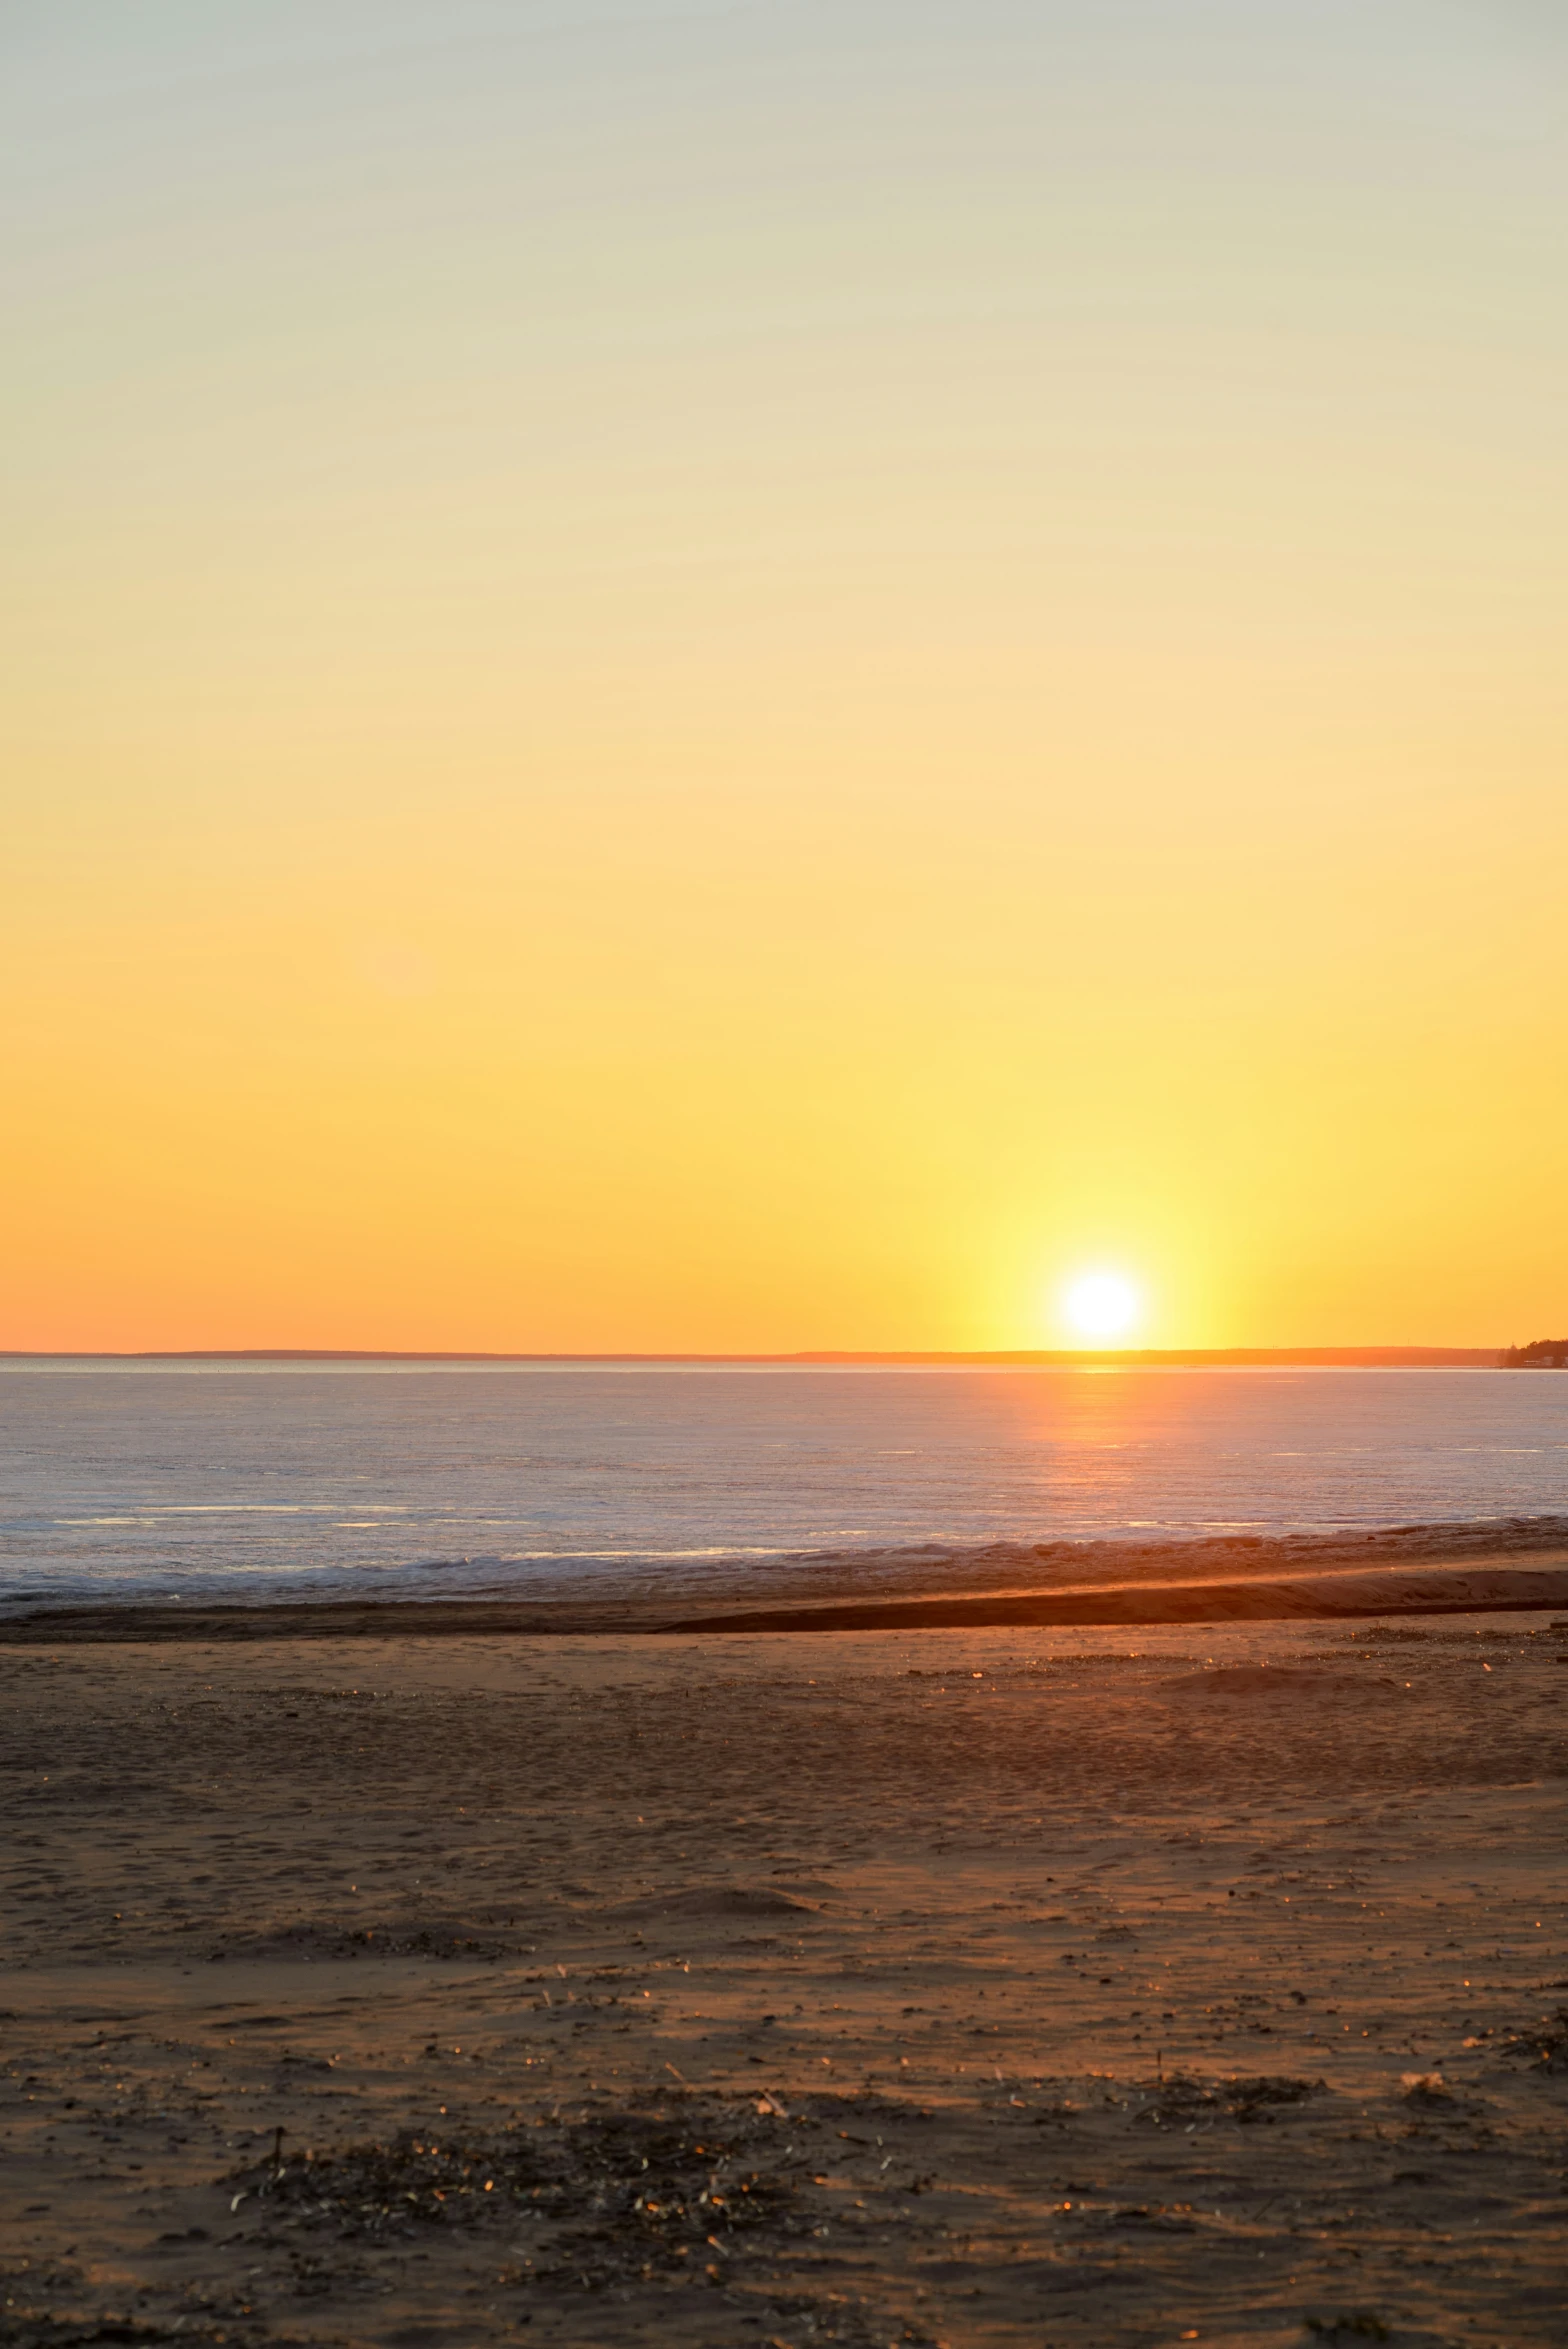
{"x": 1062, "y": 1358}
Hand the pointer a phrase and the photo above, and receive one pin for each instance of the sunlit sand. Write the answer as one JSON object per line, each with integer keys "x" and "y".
{"x": 962, "y": 1986}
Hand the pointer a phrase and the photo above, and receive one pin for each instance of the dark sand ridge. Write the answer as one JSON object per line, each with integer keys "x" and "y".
{"x": 1421, "y": 1569}
{"x": 982, "y": 1987}
{"x": 1319, "y": 1598}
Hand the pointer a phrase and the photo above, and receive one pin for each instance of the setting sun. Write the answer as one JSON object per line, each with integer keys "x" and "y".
{"x": 1102, "y": 1305}
{"x": 1013, "y": 731}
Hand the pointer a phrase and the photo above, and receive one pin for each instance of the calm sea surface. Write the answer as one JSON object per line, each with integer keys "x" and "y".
{"x": 246, "y": 1481}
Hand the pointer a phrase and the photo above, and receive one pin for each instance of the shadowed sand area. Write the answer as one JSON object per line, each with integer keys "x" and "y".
{"x": 956, "y": 1985}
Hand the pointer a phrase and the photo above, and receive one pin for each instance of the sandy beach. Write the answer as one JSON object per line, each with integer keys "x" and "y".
{"x": 1208, "y": 1982}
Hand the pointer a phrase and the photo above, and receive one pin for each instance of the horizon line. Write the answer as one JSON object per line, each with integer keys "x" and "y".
{"x": 1350, "y": 1357}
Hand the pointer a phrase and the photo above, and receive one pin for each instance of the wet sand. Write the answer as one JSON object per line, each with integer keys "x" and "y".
{"x": 1427, "y": 1569}
{"x": 975, "y": 1985}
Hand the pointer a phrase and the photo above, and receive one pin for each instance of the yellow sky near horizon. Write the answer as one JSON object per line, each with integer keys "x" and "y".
{"x": 765, "y": 677}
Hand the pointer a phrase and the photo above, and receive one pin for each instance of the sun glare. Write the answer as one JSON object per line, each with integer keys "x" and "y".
{"x": 1101, "y": 1305}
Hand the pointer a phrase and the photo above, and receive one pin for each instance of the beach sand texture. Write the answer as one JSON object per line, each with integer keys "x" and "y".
{"x": 965, "y": 1986}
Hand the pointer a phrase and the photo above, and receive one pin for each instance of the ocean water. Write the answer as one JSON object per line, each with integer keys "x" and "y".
{"x": 282, "y": 1480}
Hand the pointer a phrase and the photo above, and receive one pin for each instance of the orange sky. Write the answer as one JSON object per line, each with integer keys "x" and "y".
{"x": 766, "y": 678}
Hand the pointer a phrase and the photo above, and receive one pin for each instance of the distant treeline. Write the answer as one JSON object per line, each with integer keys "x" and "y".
{"x": 1540, "y": 1354}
